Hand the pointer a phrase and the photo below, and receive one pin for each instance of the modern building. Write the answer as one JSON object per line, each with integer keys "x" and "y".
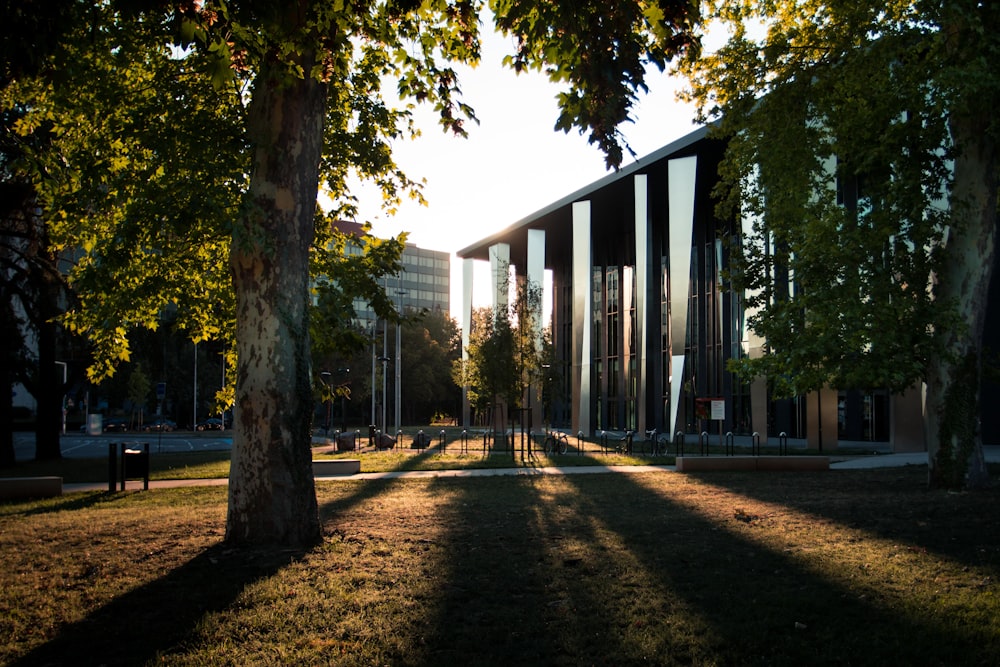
{"x": 423, "y": 284}
{"x": 642, "y": 325}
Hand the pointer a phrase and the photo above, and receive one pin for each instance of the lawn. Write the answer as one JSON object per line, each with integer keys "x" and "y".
{"x": 859, "y": 567}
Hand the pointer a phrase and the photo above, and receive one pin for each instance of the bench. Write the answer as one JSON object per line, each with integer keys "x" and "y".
{"x": 332, "y": 467}
{"x": 22, "y": 488}
{"x": 771, "y": 463}
{"x": 347, "y": 442}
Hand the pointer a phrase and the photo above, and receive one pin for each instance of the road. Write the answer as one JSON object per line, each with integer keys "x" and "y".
{"x": 96, "y": 446}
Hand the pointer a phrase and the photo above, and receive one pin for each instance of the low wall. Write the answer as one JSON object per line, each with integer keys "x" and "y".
{"x": 21, "y": 488}
{"x": 700, "y": 463}
{"x": 330, "y": 467}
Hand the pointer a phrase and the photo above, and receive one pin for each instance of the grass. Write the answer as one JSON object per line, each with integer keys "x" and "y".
{"x": 215, "y": 464}
{"x": 847, "y": 567}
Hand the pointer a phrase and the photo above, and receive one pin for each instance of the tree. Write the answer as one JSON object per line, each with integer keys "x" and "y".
{"x": 881, "y": 281}
{"x": 505, "y": 355}
{"x": 431, "y": 342}
{"x": 315, "y": 113}
{"x": 138, "y": 393}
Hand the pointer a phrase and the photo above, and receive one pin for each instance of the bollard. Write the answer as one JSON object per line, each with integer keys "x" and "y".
{"x": 730, "y": 445}
{"x": 357, "y": 439}
{"x": 755, "y": 443}
{"x": 444, "y": 440}
{"x": 604, "y": 442}
{"x": 112, "y": 466}
{"x": 464, "y": 449}
{"x": 704, "y": 442}
{"x": 782, "y": 443}
{"x": 579, "y": 443}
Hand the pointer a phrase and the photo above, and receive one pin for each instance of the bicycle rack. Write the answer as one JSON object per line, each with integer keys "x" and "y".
{"x": 755, "y": 443}
{"x": 703, "y": 442}
{"x": 782, "y": 443}
{"x": 679, "y": 443}
{"x": 730, "y": 444}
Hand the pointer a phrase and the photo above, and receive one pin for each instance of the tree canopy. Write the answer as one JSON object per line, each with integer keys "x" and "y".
{"x": 194, "y": 137}
{"x": 862, "y": 159}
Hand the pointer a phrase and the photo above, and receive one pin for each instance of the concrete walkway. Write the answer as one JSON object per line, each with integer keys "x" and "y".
{"x": 992, "y": 454}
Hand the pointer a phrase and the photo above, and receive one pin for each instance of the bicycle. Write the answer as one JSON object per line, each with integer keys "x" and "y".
{"x": 656, "y": 445}
{"x": 557, "y": 442}
{"x": 624, "y": 445}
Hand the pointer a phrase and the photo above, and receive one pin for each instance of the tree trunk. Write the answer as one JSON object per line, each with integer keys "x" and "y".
{"x": 51, "y": 387}
{"x": 12, "y": 348}
{"x": 272, "y": 498}
{"x": 954, "y": 437}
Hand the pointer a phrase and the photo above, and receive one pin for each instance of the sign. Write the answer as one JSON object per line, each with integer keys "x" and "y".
{"x": 713, "y": 409}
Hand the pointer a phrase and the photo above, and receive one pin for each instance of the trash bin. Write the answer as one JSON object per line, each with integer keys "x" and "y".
{"x": 95, "y": 424}
{"x": 132, "y": 463}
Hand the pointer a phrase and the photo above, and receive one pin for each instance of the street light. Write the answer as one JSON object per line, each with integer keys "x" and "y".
{"x": 64, "y": 366}
{"x": 325, "y": 378}
{"x": 343, "y": 400}
{"x": 399, "y": 365}
{"x": 384, "y": 360}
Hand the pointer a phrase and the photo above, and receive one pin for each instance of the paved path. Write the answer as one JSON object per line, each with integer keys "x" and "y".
{"x": 992, "y": 454}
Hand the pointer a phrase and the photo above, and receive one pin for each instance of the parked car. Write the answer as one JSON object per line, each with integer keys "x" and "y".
{"x": 159, "y": 424}
{"x": 115, "y": 425}
{"x": 210, "y": 424}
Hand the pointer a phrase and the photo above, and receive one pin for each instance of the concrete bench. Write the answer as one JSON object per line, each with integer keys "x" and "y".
{"x": 703, "y": 463}
{"x": 330, "y": 467}
{"x": 21, "y": 488}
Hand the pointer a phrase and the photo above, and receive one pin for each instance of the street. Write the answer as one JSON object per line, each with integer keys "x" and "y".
{"x": 96, "y": 446}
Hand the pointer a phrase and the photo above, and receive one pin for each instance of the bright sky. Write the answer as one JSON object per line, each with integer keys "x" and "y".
{"x": 512, "y": 164}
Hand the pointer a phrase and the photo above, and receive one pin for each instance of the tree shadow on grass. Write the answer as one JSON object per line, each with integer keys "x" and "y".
{"x": 67, "y": 503}
{"x": 745, "y": 602}
{"x": 889, "y": 503}
{"x": 159, "y": 617}
{"x": 497, "y": 607}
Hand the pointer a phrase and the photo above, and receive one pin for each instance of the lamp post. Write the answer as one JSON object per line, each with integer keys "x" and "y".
{"x": 385, "y": 360}
{"x": 343, "y": 401}
{"x": 374, "y": 326}
{"x": 325, "y": 379}
{"x": 64, "y": 366}
{"x": 399, "y": 366}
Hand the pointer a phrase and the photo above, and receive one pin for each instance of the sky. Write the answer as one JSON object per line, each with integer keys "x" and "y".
{"x": 513, "y": 163}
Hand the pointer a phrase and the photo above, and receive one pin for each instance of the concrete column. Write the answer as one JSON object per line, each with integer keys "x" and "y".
{"x": 643, "y": 306}
{"x": 582, "y": 325}
{"x": 681, "y": 174}
{"x": 536, "y": 280}
{"x": 500, "y": 271}
{"x": 821, "y": 411}
{"x": 468, "y": 272}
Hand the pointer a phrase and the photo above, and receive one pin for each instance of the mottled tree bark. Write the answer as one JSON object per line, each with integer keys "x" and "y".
{"x": 954, "y": 436}
{"x": 272, "y": 495}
